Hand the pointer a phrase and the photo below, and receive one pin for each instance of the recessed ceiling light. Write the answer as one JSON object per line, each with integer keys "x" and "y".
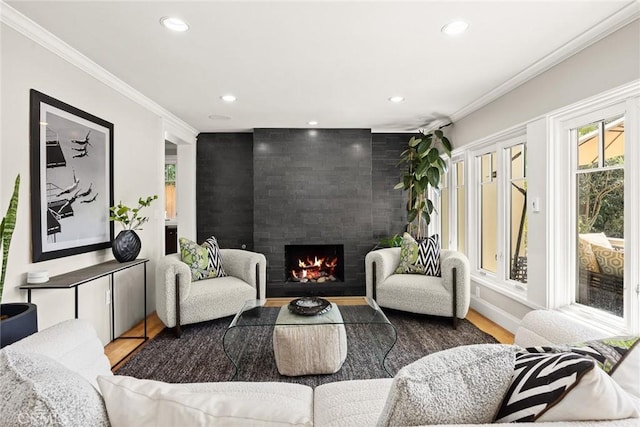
{"x": 312, "y": 122}
{"x": 174, "y": 24}
{"x": 396, "y": 99}
{"x": 228, "y": 98}
{"x": 455, "y": 27}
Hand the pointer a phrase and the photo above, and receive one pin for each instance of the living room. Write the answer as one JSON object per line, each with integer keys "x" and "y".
{"x": 587, "y": 70}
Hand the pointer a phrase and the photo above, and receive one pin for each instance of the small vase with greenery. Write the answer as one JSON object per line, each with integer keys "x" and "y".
{"x": 423, "y": 167}
{"x": 126, "y": 246}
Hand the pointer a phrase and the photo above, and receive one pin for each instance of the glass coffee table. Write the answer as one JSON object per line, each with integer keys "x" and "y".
{"x": 259, "y": 320}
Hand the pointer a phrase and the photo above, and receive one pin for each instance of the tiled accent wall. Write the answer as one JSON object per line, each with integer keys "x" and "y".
{"x": 388, "y": 205}
{"x": 300, "y": 186}
{"x": 313, "y": 187}
{"x": 224, "y": 188}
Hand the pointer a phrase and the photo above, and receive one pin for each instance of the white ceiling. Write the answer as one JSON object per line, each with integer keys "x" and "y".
{"x": 335, "y": 62}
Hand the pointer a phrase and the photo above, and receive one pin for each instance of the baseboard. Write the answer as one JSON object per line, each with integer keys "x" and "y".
{"x": 497, "y": 315}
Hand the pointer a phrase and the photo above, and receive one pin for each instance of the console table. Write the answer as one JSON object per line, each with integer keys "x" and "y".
{"x": 74, "y": 279}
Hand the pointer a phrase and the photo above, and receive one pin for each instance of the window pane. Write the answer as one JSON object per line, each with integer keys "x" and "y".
{"x": 170, "y": 191}
{"x": 461, "y": 207}
{"x": 489, "y": 215}
{"x": 588, "y": 138}
{"x": 614, "y": 141}
{"x": 600, "y": 240}
{"x": 461, "y": 232}
{"x": 444, "y": 214}
{"x": 518, "y": 231}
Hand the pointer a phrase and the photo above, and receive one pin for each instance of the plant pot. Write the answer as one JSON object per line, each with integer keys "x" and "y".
{"x": 126, "y": 246}
{"x": 21, "y": 322}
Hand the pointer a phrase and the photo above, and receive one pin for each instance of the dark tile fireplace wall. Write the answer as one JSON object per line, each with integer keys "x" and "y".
{"x": 321, "y": 186}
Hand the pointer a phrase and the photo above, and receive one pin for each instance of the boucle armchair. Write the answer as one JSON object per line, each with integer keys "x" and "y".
{"x": 447, "y": 296}
{"x": 181, "y": 301}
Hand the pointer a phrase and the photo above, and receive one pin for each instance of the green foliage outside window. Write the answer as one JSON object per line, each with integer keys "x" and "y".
{"x": 601, "y": 200}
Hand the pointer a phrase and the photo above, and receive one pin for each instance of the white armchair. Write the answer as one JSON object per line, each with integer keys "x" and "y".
{"x": 180, "y": 301}
{"x": 447, "y": 296}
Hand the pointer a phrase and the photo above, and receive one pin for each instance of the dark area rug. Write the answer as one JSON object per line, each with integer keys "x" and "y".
{"x": 198, "y": 356}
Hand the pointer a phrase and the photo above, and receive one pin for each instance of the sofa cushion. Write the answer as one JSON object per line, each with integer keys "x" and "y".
{"x": 550, "y": 386}
{"x": 131, "y": 401}
{"x": 37, "y": 390}
{"x": 609, "y": 260}
{"x": 419, "y": 257}
{"x": 352, "y": 403}
{"x": 599, "y": 239}
{"x": 204, "y": 261}
{"x": 466, "y": 384}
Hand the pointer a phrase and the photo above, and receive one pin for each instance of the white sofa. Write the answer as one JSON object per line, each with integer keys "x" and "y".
{"x": 208, "y": 299}
{"x": 76, "y": 349}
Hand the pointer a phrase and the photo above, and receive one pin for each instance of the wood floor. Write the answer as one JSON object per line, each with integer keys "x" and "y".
{"x": 118, "y": 349}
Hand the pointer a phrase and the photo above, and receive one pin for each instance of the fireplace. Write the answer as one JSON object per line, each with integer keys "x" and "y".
{"x": 313, "y": 265}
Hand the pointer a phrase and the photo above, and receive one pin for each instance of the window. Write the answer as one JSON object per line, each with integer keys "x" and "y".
{"x": 517, "y": 215}
{"x": 599, "y": 180}
{"x": 488, "y": 212}
{"x": 452, "y": 207}
{"x": 500, "y": 226}
{"x": 460, "y": 205}
{"x": 170, "y": 191}
{"x": 593, "y": 217}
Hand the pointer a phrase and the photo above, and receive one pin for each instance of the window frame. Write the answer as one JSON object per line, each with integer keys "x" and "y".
{"x": 561, "y": 186}
{"x": 500, "y": 144}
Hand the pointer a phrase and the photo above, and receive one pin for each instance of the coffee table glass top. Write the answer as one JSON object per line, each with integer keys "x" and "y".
{"x": 256, "y": 315}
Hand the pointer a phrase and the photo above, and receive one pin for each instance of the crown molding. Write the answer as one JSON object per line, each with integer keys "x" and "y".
{"x": 624, "y": 16}
{"x": 40, "y": 35}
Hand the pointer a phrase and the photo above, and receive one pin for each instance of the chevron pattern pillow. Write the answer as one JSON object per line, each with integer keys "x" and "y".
{"x": 419, "y": 257}
{"x": 550, "y": 386}
{"x": 214, "y": 258}
{"x": 203, "y": 261}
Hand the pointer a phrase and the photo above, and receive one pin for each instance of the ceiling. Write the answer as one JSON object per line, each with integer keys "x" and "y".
{"x": 291, "y": 62}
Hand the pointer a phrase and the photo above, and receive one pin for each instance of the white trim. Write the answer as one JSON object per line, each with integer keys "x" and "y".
{"x": 562, "y": 169}
{"x": 40, "y": 35}
{"x": 597, "y": 32}
{"x": 496, "y": 314}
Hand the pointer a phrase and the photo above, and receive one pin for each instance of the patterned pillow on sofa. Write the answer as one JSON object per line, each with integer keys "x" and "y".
{"x": 550, "y": 386}
{"x": 610, "y": 261}
{"x": 586, "y": 257}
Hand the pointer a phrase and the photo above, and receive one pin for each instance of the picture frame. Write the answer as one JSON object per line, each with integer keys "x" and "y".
{"x": 71, "y": 179}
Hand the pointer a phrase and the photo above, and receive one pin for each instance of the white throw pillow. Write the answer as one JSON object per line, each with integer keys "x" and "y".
{"x": 147, "y": 403}
{"x": 462, "y": 385}
{"x": 35, "y": 390}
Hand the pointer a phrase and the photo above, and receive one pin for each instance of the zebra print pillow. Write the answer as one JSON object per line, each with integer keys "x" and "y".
{"x": 419, "y": 257}
{"x": 215, "y": 260}
{"x": 563, "y": 387}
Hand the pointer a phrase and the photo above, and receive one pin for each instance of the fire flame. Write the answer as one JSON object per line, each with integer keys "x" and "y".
{"x": 313, "y": 269}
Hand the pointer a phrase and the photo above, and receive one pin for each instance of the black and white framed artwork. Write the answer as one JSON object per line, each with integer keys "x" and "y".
{"x": 71, "y": 179}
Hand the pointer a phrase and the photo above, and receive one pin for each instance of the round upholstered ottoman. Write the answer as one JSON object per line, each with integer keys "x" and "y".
{"x": 307, "y": 345}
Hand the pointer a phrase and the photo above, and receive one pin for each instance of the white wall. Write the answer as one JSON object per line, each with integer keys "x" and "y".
{"x": 138, "y": 171}
{"x": 609, "y": 63}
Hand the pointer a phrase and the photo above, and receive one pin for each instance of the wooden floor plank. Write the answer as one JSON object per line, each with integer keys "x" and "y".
{"x": 117, "y": 349}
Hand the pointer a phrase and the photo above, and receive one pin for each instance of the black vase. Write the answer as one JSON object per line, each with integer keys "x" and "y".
{"x": 126, "y": 246}
{"x": 21, "y": 321}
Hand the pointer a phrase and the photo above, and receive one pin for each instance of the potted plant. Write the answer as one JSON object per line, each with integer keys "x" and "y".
{"x": 126, "y": 246}
{"x": 17, "y": 320}
{"x": 423, "y": 165}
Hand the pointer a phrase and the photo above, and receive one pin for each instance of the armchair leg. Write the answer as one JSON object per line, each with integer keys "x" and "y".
{"x": 454, "y": 288}
{"x": 177, "y": 329}
{"x": 257, "y": 281}
{"x": 373, "y": 280}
